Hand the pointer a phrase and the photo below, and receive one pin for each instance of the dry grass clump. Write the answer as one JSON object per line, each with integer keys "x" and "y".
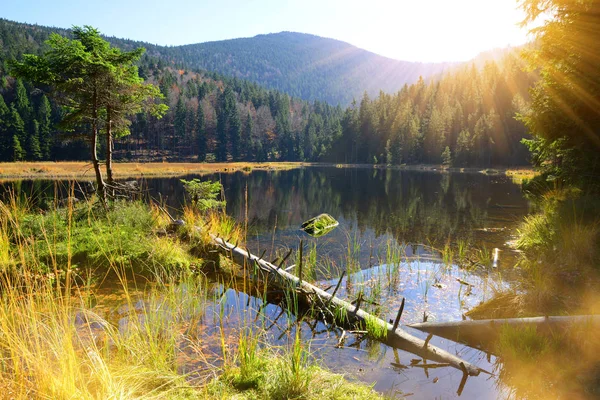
{"x": 80, "y": 169}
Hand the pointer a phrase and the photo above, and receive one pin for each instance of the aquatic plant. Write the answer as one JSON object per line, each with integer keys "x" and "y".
{"x": 320, "y": 225}
{"x": 204, "y": 194}
{"x": 375, "y": 328}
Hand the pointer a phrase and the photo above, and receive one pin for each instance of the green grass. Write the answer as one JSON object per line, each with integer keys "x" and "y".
{"x": 86, "y": 236}
{"x": 559, "y": 274}
{"x": 289, "y": 373}
{"x": 47, "y": 355}
{"x": 374, "y": 328}
{"x": 562, "y": 364}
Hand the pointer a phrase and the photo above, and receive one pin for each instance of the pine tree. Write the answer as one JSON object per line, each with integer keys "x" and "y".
{"x": 563, "y": 116}
{"x": 247, "y": 138}
{"x": 16, "y": 125}
{"x": 21, "y": 102}
{"x": 365, "y": 145}
{"x": 447, "y": 157}
{"x": 5, "y": 134}
{"x": 33, "y": 143}
{"x": 201, "y": 133}
{"x": 16, "y": 150}
{"x": 235, "y": 133}
{"x": 222, "y": 111}
{"x": 179, "y": 122}
{"x": 45, "y": 127}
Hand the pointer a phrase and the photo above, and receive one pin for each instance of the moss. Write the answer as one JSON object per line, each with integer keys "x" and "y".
{"x": 86, "y": 236}
{"x": 268, "y": 383}
{"x": 320, "y": 225}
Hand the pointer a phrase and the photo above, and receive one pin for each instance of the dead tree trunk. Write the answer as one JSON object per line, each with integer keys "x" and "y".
{"x": 483, "y": 333}
{"x": 395, "y": 337}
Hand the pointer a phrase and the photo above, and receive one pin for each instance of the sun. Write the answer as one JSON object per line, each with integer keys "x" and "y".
{"x": 439, "y": 30}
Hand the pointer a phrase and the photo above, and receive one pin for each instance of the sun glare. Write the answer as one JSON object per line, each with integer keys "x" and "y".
{"x": 439, "y": 30}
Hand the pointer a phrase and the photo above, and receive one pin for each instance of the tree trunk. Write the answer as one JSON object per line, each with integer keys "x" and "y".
{"x": 395, "y": 336}
{"x": 109, "y": 144}
{"x": 100, "y": 186}
{"x": 484, "y": 333}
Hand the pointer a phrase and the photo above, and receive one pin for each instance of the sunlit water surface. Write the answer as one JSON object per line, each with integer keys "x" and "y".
{"x": 414, "y": 212}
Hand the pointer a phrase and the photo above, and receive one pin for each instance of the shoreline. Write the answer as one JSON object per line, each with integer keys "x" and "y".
{"x": 81, "y": 169}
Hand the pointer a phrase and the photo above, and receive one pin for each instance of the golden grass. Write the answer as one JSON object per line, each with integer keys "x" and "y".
{"x": 521, "y": 174}
{"x": 56, "y": 343}
{"x": 80, "y": 169}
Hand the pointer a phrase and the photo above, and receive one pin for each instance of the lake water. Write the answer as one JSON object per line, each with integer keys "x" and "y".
{"x": 413, "y": 212}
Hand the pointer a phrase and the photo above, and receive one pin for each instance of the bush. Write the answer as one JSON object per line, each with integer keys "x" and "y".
{"x": 204, "y": 194}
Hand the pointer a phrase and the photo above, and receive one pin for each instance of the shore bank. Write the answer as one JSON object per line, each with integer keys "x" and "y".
{"x": 83, "y": 170}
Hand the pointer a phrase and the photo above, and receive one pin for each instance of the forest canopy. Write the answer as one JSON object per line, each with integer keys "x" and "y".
{"x": 465, "y": 117}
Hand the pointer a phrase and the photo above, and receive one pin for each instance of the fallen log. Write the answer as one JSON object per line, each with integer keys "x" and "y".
{"x": 484, "y": 333}
{"x": 350, "y": 314}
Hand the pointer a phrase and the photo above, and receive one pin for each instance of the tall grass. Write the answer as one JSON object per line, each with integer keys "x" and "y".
{"x": 56, "y": 344}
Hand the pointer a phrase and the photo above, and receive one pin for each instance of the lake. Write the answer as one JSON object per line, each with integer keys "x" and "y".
{"x": 393, "y": 226}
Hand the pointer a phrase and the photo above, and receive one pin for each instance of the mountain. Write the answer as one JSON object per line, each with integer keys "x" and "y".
{"x": 306, "y": 66}
{"x": 463, "y": 117}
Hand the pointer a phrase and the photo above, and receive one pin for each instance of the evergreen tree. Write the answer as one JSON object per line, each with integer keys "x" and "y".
{"x": 16, "y": 125}
{"x": 447, "y": 157}
{"x": 16, "y": 150}
{"x": 366, "y": 146}
{"x": 396, "y": 149}
{"x": 247, "y": 139}
{"x": 179, "y": 122}
{"x": 45, "y": 127}
{"x": 222, "y": 111}
{"x": 235, "y": 133}
{"x": 463, "y": 148}
{"x": 5, "y": 133}
{"x": 201, "y": 133}
{"x": 34, "y": 151}
{"x": 22, "y": 102}
{"x": 564, "y": 114}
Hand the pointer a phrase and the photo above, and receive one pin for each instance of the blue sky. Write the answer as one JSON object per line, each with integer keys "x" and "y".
{"x": 414, "y": 30}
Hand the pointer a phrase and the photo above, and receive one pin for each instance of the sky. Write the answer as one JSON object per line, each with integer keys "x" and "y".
{"x": 411, "y": 30}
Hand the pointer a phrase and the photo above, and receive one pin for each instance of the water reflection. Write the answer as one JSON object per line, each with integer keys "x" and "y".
{"x": 376, "y": 209}
{"x": 372, "y": 206}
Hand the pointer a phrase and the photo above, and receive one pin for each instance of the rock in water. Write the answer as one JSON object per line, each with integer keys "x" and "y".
{"x": 320, "y": 225}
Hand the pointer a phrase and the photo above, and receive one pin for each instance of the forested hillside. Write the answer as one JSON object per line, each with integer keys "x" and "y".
{"x": 305, "y": 66}
{"x": 465, "y": 118}
{"x": 468, "y": 117}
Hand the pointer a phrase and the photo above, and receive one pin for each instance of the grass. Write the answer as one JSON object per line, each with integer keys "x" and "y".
{"x": 57, "y": 343}
{"x": 375, "y": 329}
{"x": 560, "y": 257}
{"x": 55, "y": 346}
{"x": 522, "y": 175}
{"x": 83, "y": 236}
{"x": 287, "y": 373}
{"x": 559, "y": 275}
{"x": 76, "y": 169}
{"x": 560, "y": 365}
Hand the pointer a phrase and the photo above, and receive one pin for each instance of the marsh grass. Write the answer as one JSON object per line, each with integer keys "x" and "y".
{"x": 55, "y": 343}
{"x": 74, "y": 169}
{"x": 83, "y": 235}
{"x": 483, "y": 256}
{"x": 560, "y": 256}
{"x": 563, "y": 364}
{"x": 375, "y": 329}
{"x": 558, "y": 275}
{"x": 57, "y": 347}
